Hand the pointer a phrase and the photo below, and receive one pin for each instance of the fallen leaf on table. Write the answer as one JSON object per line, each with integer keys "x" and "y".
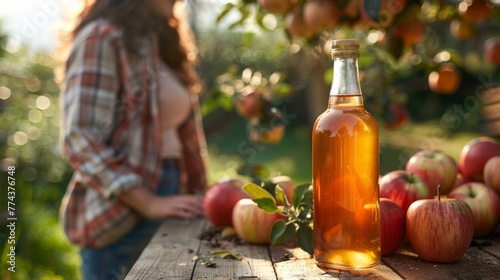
{"x": 226, "y": 254}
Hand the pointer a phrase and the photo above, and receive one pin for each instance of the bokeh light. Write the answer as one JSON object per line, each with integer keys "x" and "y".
{"x": 35, "y": 116}
{"x": 5, "y": 93}
{"x": 20, "y": 138}
{"x": 42, "y": 102}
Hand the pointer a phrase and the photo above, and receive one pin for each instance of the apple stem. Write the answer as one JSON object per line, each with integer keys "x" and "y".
{"x": 439, "y": 192}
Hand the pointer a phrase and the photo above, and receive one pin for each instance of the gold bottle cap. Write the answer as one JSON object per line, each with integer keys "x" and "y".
{"x": 345, "y": 48}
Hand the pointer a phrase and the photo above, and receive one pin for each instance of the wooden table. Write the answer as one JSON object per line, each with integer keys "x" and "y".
{"x": 177, "y": 252}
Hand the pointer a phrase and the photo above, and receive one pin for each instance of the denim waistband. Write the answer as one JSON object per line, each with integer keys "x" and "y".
{"x": 170, "y": 162}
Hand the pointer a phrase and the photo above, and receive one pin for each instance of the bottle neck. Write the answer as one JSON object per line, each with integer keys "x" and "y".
{"x": 345, "y": 77}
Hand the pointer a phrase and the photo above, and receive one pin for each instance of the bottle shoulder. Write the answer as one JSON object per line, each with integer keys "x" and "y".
{"x": 346, "y": 116}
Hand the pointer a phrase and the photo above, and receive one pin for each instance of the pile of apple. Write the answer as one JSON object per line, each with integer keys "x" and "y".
{"x": 440, "y": 225}
{"x": 436, "y": 203}
{"x": 229, "y": 207}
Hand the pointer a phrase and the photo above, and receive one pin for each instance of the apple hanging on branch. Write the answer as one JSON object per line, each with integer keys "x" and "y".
{"x": 395, "y": 116}
{"x": 441, "y": 229}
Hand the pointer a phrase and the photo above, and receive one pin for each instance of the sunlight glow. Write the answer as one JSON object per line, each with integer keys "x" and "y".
{"x": 5, "y": 93}
{"x": 294, "y": 48}
{"x": 269, "y": 21}
{"x": 442, "y": 57}
{"x": 20, "y": 138}
{"x": 256, "y": 79}
{"x": 275, "y": 78}
{"x": 246, "y": 75}
{"x": 42, "y": 102}
{"x": 35, "y": 116}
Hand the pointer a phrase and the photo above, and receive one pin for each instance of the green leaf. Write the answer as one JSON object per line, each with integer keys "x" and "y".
{"x": 269, "y": 186}
{"x": 258, "y": 192}
{"x": 283, "y": 89}
{"x": 227, "y": 8}
{"x": 226, "y": 254}
{"x": 267, "y": 204}
{"x": 255, "y": 171}
{"x": 281, "y": 232}
{"x": 247, "y": 39}
{"x": 328, "y": 76}
{"x": 297, "y": 194}
{"x": 280, "y": 196}
{"x": 305, "y": 211}
{"x": 306, "y": 205}
{"x": 305, "y": 238}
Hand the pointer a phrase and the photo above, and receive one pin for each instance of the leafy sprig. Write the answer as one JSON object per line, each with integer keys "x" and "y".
{"x": 298, "y": 223}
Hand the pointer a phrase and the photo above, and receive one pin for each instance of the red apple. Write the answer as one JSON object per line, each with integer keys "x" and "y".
{"x": 459, "y": 180}
{"x": 394, "y": 7}
{"x": 445, "y": 80}
{"x": 320, "y": 15}
{"x": 249, "y": 104}
{"x": 253, "y": 224}
{"x": 295, "y": 25}
{"x": 395, "y": 116}
{"x": 392, "y": 226}
{"x": 485, "y": 205}
{"x": 462, "y": 29}
{"x": 440, "y": 230}
{"x": 434, "y": 168}
{"x": 220, "y": 199}
{"x": 475, "y": 10}
{"x": 492, "y": 50}
{"x": 278, "y": 7}
{"x": 267, "y": 134}
{"x": 403, "y": 188}
{"x": 474, "y": 156}
{"x": 491, "y": 174}
{"x": 411, "y": 32}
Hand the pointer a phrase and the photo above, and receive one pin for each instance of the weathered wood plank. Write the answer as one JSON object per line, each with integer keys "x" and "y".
{"x": 494, "y": 247}
{"x": 256, "y": 262}
{"x": 176, "y": 252}
{"x": 170, "y": 253}
{"x": 476, "y": 264}
{"x": 293, "y": 263}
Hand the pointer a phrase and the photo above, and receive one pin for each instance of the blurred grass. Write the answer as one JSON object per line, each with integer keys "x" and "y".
{"x": 292, "y": 156}
{"x": 233, "y": 148}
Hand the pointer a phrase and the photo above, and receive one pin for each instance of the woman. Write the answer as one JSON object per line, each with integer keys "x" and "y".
{"x": 132, "y": 131}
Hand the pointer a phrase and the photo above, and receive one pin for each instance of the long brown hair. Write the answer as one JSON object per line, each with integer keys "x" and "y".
{"x": 137, "y": 19}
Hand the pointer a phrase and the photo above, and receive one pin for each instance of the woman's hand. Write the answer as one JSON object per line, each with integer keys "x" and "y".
{"x": 186, "y": 206}
{"x": 156, "y": 207}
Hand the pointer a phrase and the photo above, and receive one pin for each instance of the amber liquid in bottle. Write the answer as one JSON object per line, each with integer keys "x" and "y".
{"x": 345, "y": 177}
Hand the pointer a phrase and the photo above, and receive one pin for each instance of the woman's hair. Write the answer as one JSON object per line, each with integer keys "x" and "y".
{"x": 137, "y": 19}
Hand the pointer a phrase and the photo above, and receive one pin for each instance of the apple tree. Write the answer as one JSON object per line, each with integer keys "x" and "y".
{"x": 440, "y": 55}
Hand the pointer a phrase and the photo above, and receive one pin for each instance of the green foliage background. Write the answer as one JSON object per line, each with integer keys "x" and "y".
{"x": 29, "y": 134}
{"x": 30, "y": 123}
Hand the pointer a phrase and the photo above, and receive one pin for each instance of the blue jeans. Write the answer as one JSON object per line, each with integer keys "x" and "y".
{"x": 114, "y": 262}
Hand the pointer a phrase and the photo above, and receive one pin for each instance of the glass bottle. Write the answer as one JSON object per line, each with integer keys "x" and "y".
{"x": 345, "y": 166}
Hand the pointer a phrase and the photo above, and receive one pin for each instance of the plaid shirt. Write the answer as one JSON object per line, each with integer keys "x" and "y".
{"x": 111, "y": 134}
